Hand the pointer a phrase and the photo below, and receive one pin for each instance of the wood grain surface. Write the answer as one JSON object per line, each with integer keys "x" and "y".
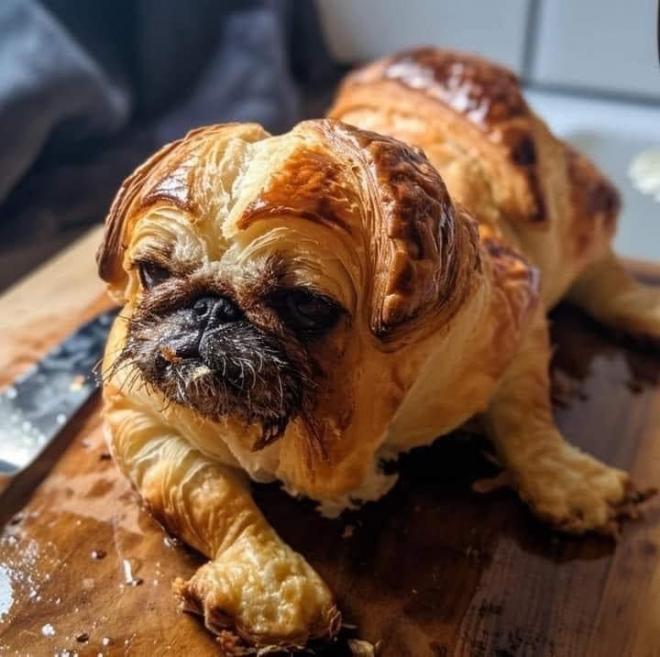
{"x": 432, "y": 570}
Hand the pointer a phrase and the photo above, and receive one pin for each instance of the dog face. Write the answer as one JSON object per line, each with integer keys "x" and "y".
{"x": 288, "y": 283}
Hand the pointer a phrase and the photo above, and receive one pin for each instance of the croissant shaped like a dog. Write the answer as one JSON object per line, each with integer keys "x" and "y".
{"x": 299, "y": 307}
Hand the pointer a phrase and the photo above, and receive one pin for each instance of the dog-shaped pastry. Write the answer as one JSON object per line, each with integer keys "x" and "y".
{"x": 300, "y": 307}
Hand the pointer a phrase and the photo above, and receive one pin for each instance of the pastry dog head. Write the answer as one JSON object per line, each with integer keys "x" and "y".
{"x": 286, "y": 282}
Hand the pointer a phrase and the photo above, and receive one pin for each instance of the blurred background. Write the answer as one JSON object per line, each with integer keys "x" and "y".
{"x": 89, "y": 89}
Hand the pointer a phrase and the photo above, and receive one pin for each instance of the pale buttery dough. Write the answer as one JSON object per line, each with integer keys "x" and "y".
{"x": 443, "y": 268}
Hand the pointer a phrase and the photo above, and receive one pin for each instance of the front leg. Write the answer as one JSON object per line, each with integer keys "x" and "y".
{"x": 255, "y": 586}
{"x": 564, "y": 486}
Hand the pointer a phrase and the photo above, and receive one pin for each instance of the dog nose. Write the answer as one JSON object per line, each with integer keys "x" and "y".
{"x": 215, "y": 311}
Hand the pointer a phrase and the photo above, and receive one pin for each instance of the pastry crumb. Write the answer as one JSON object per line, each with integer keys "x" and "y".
{"x": 361, "y": 648}
{"x": 492, "y": 484}
{"x": 348, "y": 531}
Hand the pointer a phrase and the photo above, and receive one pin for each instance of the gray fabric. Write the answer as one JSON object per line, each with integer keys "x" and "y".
{"x": 74, "y": 74}
{"x": 46, "y": 81}
{"x": 245, "y": 79}
{"x": 89, "y": 88}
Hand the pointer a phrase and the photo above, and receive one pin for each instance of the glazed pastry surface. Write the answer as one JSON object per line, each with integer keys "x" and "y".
{"x": 495, "y": 155}
{"x": 300, "y": 307}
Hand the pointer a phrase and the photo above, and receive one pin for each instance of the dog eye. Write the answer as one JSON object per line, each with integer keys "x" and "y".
{"x": 307, "y": 312}
{"x": 152, "y": 274}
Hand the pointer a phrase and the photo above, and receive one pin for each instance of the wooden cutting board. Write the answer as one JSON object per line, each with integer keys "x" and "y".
{"x": 432, "y": 570}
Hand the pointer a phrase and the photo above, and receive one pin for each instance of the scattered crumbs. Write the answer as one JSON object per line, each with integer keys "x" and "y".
{"x": 487, "y": 485}
{"x": 360, "y": 648}
{"x": 472, "y": 552}
{"x": 348, "y": 531}
{"x": 16, "y": 519}
{"x": 77, "y": 382}
{"x": 83, "y": 637}
{"x": 88, "y": 583}
{"x": 48, "y": 630}
{"x": 228, "y": 642}
{"x": 106, "y": 641}
{"x": 129, "y": 578}
{"x": 171, "y": 541}
{"x": 98, "y": 554}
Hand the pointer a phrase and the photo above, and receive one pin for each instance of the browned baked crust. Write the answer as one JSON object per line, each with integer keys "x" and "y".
{"x": 356, "y": 181}
{"x": 173, "y": 175}
{"x": 463, "y": 109}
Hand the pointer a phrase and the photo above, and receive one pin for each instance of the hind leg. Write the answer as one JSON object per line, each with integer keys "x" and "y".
{"x": 607, "y": 292}
{"x": 563, "y": 485}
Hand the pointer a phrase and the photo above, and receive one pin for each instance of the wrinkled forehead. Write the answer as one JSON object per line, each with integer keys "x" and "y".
{"x": 237, "y": 182}
{"x": 301, "y": 177}
{"x": 240, "y": 200}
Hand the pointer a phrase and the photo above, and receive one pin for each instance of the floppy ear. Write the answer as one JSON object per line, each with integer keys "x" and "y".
{"x": 174, "y": 175}
{"x": 424, "y": 251}
{"x": 110, "y": 253}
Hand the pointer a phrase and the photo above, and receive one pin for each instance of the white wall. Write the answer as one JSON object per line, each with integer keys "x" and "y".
{"x": 603, "y": 45}
{"x": 358, "y": 30}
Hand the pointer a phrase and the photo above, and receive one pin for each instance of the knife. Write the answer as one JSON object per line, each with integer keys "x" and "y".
{"x": 40, "y": 403}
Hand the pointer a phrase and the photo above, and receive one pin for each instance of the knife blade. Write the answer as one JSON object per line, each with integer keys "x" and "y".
{"x": 40, "y": 403}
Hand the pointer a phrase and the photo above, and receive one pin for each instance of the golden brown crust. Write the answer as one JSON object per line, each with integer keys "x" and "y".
{"x": 487, "y": 96}
{"x": 169, "y": 176}
{"x": 420, "y": 260}
{"x": 514, "y": 275}
{"x": 430, "y": 249}
{"x": 596, "y": 203}
{"x": 497, "y": 158}
{"x": 485, "y": 93}
{"x": 368, "y": 222}
{"x": 403, "y": 261}
{"x": 418, "y": 249}
{"x": 309, "y": 186}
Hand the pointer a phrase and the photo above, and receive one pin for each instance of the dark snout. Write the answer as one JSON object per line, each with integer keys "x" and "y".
{"x": 199, "y": 323}
{"x": 209, "y": 356}
{"x": 213, "y": 312}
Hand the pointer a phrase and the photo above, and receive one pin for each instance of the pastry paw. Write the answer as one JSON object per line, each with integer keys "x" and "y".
{"x": 259, "y": 595}
{"x": 577, "y": 493}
